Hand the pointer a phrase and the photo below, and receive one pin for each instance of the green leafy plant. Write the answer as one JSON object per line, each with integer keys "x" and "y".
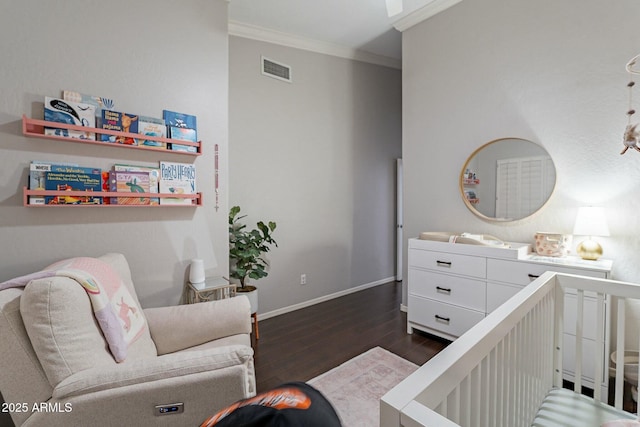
{"x": 246, "y": 248}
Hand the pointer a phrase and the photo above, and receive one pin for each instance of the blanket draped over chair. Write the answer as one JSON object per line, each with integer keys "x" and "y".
{"x": 117, "y": 312}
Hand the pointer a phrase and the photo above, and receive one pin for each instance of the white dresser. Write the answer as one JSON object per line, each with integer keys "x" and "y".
{"x": 453, "y": 286}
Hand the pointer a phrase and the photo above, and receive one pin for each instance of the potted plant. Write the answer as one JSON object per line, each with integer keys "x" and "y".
{"x": 246, "y": 250}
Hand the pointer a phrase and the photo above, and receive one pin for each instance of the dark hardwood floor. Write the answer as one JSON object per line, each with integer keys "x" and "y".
{"x": 300, "y": 345}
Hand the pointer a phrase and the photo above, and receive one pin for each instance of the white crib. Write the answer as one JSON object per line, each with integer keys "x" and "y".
{"x": 506, "y": 371}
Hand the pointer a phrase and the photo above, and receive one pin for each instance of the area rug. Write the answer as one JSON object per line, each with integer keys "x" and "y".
{"x": 355, "y": 387}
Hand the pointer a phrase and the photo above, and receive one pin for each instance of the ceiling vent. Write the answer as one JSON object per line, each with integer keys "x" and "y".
{"x": 276, "y": 70}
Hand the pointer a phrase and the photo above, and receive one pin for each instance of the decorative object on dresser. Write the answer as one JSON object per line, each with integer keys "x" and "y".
{"x": 590, "y": 221}
{"x": 552, "y": 244}
{"x": 452, "y": 286}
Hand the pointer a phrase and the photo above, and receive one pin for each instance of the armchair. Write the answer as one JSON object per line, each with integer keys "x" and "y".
{"x": 57, "y": 369}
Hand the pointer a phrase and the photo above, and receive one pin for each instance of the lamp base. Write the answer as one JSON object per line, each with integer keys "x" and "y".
{"x": 589, "y": 249}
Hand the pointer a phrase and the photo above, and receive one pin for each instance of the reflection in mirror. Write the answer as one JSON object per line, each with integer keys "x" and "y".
{"x": 507, "y": 179}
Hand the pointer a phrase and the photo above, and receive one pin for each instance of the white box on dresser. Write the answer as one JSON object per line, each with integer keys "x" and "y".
{"x": 452, "y": 286}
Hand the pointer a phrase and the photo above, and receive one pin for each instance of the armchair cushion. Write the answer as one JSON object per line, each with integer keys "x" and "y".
{"x": 155, "y": 369}
{"x": 65, "y": 340}
{"x": 183, "y": 326}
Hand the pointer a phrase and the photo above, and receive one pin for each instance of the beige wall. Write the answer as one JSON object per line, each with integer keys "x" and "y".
{"x": 552, "y": 72}
{"x": 147, "y": 56}
{"x": 318, "y": 157}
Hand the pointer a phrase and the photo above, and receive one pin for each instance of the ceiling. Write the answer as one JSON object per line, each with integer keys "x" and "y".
{"x": 357, "y": 24}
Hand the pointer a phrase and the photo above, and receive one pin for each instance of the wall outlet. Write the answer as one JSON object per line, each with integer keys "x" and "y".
{"x": 303, "y": 279}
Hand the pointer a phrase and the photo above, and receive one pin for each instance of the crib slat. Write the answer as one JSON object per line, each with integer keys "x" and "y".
{"x": 510, "y": 380}
{"x": 577, "y": 385}
{"x": 620, "y": 353}
{"x": 476, "y": 392}
{"x": 558, "y": 336}
{"x": 484, "y": 392}
{"x": 454, "y": 408}
{"x": 597, "y": 375}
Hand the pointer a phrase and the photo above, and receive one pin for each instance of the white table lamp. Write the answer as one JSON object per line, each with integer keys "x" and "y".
{"x": 590, "y": 221}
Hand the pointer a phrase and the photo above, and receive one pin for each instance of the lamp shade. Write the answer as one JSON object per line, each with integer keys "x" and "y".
{"x": 591, "y": 221}
{"x": 196, "y": 271}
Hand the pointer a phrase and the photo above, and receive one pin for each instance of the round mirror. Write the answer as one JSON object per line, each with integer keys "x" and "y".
{"x": 507, "y": 179}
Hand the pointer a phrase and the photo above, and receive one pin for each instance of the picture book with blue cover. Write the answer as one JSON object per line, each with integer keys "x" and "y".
{"x": 37, "y": 175}
{"x": 122, "y": 122}
{"x": 71, "y": 178}
{"x": 71, "y": 113}
{"x": 179, "y": 120}
{"x": 183, "y": 127}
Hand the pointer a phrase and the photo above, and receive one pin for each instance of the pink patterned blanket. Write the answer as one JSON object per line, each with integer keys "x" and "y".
{"x": 117, "y": 312}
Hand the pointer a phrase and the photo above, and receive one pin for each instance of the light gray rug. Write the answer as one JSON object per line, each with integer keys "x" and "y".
{"x": 355, "y": 387}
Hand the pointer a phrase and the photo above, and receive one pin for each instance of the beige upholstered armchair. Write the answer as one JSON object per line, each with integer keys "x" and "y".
{"x": 57, "y": 369}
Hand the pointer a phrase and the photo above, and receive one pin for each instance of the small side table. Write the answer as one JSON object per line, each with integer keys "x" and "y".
{"x": 215, "y": 288}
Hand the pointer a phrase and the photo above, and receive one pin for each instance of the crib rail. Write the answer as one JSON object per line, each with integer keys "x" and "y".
{"x": 498, "y": 373}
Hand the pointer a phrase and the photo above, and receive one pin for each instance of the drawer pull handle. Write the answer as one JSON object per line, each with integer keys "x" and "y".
{"x": 443, "y": 264}
{"x": 443, "y": 290}
{"x": 443, "y": 319}
{"x": 532, "y": 277}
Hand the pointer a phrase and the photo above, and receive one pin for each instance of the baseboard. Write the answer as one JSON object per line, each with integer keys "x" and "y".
{"x": 403, "y": 307}
{"x": 318, "y": 300}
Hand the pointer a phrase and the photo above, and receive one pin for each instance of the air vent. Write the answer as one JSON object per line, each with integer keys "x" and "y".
{"x": 276, "y": 70}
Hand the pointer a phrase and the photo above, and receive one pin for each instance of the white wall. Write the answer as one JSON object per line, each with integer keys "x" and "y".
{"x": 147, "y": 56}
{"x": 552, "y": 72}
{"x": 317, "y": 156}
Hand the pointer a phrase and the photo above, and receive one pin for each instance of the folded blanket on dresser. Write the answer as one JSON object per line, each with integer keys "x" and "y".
{"x": 117, "y": 312}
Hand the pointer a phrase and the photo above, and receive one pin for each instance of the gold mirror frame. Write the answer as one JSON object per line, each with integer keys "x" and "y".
{"x": 507, "y": 150}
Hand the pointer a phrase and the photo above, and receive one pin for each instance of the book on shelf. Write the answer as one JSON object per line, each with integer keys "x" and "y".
{"x": 71, "y": 178}
{"x": 154, "y": 177}
{"x": 37, "y": 171}
{"x": 151, "y": 126}
{"x": 177, "y": 178}
{"x": 122, "y": 122}
{"x": 71, "y": 113}
{"x": 129, "y": 182}
{"x": 183, "y": 127}
{"x": 179, "y": 120}
{"x": 183, "y": 134}
{"x": 99, "y": 102}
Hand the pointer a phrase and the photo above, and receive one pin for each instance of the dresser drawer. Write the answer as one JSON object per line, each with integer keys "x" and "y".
{"x": 456, "y": 290}
{"x": 449, "y": 319}
{"x": 448, "y": 263}
{"x": 522, "y": 273}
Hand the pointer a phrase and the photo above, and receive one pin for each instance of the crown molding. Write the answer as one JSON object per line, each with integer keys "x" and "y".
{"x": 254, "y": 32}
{"x": 424, "y": 13}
